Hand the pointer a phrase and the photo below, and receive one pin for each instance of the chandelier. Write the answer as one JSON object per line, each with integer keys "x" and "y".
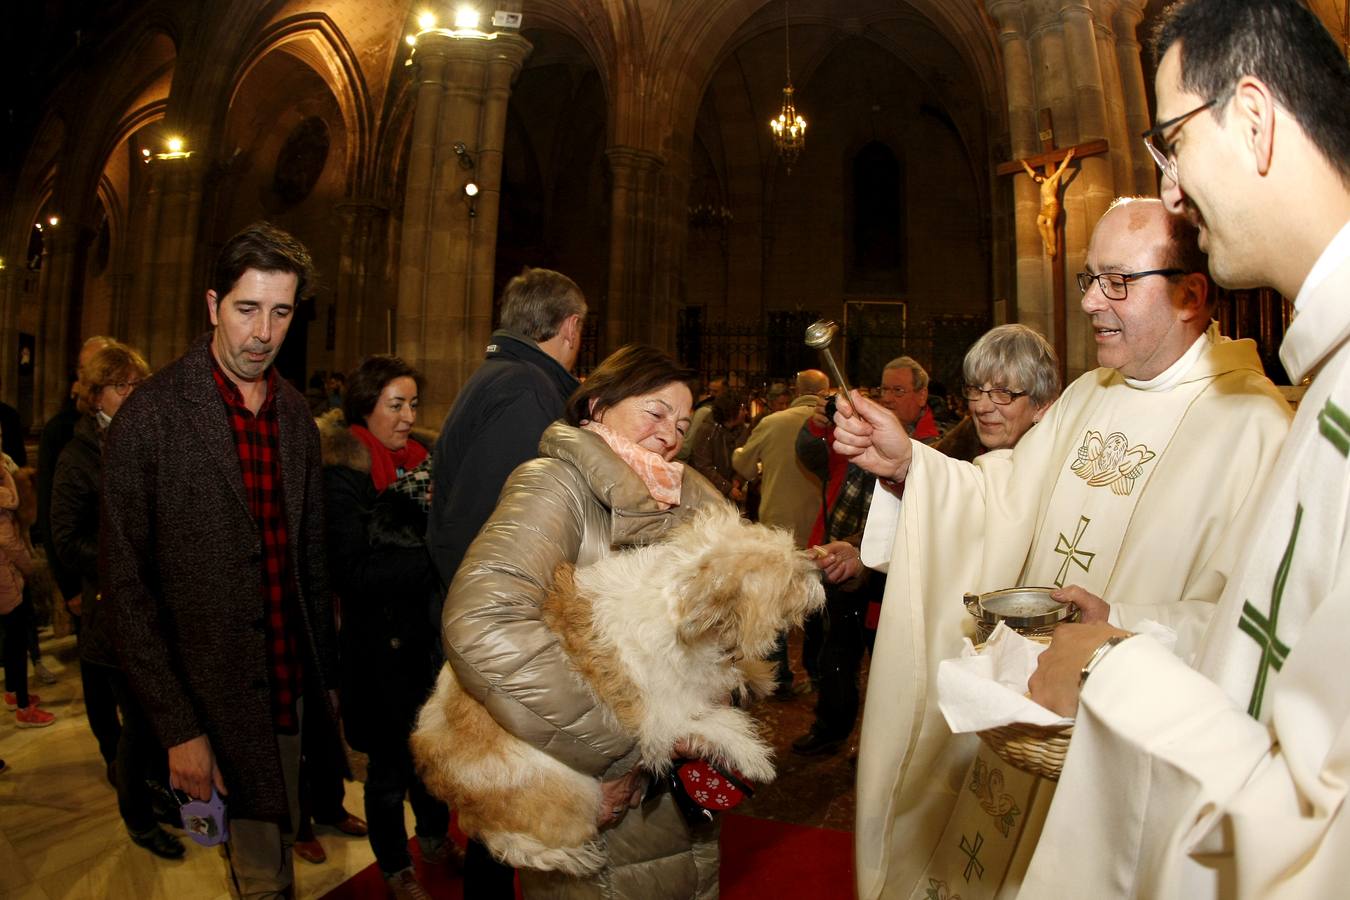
{"x": 789, "y": 129}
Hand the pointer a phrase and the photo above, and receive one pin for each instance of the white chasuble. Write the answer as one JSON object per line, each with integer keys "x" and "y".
{"x": 1128, "y": 493}
{"x": 1231, "y": 780}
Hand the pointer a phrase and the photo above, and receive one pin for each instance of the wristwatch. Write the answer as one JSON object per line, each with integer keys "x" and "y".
{"x": 1098, "y": 655}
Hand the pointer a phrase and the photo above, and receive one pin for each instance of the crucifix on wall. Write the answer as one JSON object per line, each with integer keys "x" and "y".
{"x": 1054, "y": 162}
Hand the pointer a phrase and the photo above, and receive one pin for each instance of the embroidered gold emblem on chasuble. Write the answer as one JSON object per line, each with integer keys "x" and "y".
{"x": 1110, "y": 461}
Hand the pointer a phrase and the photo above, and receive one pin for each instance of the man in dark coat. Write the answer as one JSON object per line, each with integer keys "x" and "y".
{"x": 503, "y": 409}
{"x": 213, "y": 549}
{"x": 494, "y": 426}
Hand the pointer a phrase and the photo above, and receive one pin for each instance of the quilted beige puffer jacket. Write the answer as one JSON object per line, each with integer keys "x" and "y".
{"x": 577, "y": 502}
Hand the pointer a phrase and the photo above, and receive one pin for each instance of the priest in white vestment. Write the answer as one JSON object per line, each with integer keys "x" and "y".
{"x": 1129, "y": 487}
{"x": 1231, "y": 780}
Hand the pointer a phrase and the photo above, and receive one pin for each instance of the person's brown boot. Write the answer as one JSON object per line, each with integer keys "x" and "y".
{"x": 310, "y": 851}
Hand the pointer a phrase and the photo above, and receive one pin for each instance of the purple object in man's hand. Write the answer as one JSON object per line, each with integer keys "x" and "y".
{"x": 205, "y": 821}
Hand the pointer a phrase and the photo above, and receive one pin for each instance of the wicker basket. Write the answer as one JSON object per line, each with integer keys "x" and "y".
{"x": 1036, "y": 749}
{"x": 1031, "y": 748}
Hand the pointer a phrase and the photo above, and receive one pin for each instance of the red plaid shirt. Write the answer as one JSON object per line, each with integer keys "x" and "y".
{"x": 256, "y": 441}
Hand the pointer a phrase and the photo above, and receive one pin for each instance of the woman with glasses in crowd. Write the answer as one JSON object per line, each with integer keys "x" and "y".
{"x": 1011, "y": 376}
{"x": 105, "y": 382}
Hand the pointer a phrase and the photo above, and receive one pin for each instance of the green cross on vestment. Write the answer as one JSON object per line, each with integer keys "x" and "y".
{"x": 972, "y": 852}
{"x": 1071, "y": 553}
{"x": 1261, "y": 628}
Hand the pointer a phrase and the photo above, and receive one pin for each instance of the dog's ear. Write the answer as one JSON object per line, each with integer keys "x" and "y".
{"x": 734, "y": 595}
{"x": 707, "y": 599}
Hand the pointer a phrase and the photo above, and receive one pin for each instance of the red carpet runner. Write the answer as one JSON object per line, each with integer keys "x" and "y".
{"x": 760, "y": 858}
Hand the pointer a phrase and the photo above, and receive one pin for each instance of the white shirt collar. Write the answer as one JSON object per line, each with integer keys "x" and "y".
{"x": 1332, "y": 256}
{"x": 1174, "y": 373}
{"x": 1321, "y": 321}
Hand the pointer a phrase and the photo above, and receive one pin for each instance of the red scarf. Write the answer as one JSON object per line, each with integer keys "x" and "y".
{"x": 386, "y": 465}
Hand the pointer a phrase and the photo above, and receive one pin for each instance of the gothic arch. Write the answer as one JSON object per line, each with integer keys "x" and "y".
{"x": 315, "y": 40}
{"x": 35, "y": 183}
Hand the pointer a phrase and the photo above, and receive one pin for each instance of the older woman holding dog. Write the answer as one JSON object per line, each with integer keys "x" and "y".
{"x": 605, "y": 479}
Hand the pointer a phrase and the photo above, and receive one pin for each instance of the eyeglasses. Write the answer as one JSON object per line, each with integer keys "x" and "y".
{"x": 1164, "y": 156}
{"x": 1116, "y": 285}
{"x": 1000, "y": 396}
{"x": 123, "y": 387}
{"x": 895, "y": 391}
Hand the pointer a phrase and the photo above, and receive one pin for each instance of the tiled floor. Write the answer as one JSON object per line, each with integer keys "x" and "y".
{"x": 61, "y": 837}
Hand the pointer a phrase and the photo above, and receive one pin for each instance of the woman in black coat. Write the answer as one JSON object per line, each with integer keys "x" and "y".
{"x": 375, "y": 479}
{"x": 106, "y": 380}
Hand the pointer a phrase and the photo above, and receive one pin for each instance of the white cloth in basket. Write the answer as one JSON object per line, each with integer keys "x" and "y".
{"x": 986, "y": 688}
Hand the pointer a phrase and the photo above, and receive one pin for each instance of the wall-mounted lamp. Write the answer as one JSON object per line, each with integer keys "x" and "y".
{"x": 467, "y": 163}
{"x": 174, "y": 150}
{"x": 466, "y": 18}
{"x": 466, "y": 25}
{"x": 466, "y": 160}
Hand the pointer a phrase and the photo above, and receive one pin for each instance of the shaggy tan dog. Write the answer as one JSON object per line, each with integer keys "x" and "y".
{"x": 662, "y": 635}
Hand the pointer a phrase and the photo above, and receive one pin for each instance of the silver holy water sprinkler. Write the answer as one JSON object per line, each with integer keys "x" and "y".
{"x": 819, "y": 336}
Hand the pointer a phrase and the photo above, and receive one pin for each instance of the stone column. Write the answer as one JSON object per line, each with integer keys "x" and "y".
{"x": 1090, "y": 193}
{"x": 669, "y": 252}
{"x": 632, "y": 235}
{"x": 1096, "y": 181}
{"x": 1032, "y": 275}
{"x": 160, "y": 309}
{"x": 1118, "y": 135}
{"x": 444, "y": 312}
{"x": 58, "y": 268}
{"x": 121, "y": 284}
{"x": 1144, "y": 173}
{"x": 10, "y": 275}
{"x": 361, "y": 317}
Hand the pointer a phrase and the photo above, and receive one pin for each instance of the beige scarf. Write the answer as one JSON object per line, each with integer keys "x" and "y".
{"x": 663, "y": 479}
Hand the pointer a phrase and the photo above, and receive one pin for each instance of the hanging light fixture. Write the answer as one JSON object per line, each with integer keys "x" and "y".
{"x": 789, "y": 129}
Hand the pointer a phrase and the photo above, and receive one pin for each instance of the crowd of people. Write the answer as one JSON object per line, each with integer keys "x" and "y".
{"x": 244, "y": 576}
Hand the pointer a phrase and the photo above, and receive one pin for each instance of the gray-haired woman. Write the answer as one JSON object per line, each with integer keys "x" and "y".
{"x": 1011, "y": 376}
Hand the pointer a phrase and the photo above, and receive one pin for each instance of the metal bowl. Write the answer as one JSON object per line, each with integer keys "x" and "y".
{"x": 1027, "y": 610}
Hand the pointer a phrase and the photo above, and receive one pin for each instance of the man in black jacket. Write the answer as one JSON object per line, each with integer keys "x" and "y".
{"x": 494, "y": 426}
{"x": 499, "y": 416}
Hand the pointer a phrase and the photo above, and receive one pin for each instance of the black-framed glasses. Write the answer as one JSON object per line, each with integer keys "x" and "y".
{"x": 1000, "y": 396}
{"x": 1163, "y": 156}
{"x": 124, "y": 387}
{"x": 1116, "y": 285}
